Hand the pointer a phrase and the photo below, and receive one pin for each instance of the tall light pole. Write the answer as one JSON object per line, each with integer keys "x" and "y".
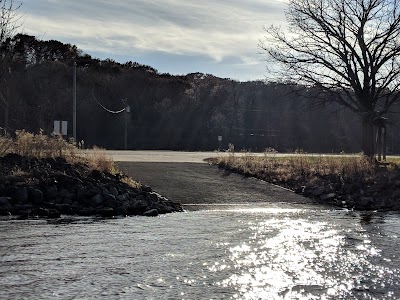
{"x": 6, "y": 111}
{"x": 74, "y": 103}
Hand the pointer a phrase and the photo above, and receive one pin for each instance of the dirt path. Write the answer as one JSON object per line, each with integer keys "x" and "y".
{"x": 200, "y": 183}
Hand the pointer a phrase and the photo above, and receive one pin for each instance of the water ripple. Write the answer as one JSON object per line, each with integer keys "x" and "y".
{"x": 232, "y": 253}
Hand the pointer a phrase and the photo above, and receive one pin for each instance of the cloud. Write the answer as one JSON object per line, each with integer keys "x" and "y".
{"x": 215, "y": 29}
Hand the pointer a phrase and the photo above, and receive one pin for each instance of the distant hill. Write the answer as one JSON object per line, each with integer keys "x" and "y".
{"x": 167, "y": 112}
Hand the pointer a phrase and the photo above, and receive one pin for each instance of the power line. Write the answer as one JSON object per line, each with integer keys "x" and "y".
{"x": 105, "y": 108}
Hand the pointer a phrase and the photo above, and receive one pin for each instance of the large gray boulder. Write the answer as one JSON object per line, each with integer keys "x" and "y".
{"x": 111, "y": 201}
{"x": 105, "y": 212}
{"x": 5, "y": 202}
{"x": 96, "y": 200}
{"x": 36, "y": 196}
{"x": 121, "y": 211}
{"x": 21, "y": 195}
{"x": 151, "y": 213}
{"x": 328, "y": 197}
{"x": 5, "y": 206}
{"x": 51, "y": 192}
{"x": 113, "y": 191}
{"x": 123, "y": 197}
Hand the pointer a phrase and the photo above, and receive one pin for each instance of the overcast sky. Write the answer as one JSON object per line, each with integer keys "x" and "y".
{"x": 174, "y": 36}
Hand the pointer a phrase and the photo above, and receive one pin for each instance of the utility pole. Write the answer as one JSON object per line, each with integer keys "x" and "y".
{"x": 127, "y": 111}
{"x": 6, "y": 111}
{"x": 74, "y": 103}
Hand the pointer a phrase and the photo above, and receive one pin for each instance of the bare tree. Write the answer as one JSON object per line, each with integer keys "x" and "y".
{"x": 9, "y": 18}
{"x": 10, "y": 21}
{"x": 346, "y": 51}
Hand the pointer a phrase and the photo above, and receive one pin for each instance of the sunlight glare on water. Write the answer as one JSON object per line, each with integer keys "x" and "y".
{"x": 246, "y": 252}
{"x": 299, "y": 258}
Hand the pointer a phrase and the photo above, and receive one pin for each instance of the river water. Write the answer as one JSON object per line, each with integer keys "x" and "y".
{"x": 213, "y": 252}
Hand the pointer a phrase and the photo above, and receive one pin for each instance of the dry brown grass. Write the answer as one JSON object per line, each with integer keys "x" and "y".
{"x": 99, "y": 160}
{"x": 42, "y": 146}
{"x": 129, "y": 181}
{"x": 297, "y": 167}
{"x": 38, "y": 145}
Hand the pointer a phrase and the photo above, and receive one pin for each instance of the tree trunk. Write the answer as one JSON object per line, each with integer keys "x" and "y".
{"x": 378, "y": 144}
{"x": 384, "y": 143}
{"x": 6, "y": 111}
{"x": 368, "y": 140}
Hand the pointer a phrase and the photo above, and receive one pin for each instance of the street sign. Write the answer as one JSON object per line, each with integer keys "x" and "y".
{"x": 220, "y": 138}
{"x": 64, "y": 127}
{"x": 56, "y": 128}
{"x": 60, "y": 128}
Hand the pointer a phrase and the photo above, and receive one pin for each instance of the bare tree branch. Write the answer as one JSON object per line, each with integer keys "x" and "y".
{"x": 348, "y": 49}
{"x": 10, "y": 19}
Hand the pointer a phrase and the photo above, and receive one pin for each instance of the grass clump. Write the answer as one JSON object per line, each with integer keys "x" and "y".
{"x": 98, "y": 159}
{"x": 39, "y": 145}
{"x": 297, "y": 167}
{"x": 132, "y": 183}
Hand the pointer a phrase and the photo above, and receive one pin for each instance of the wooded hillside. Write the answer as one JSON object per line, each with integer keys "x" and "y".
{"x": 167, "y": 112}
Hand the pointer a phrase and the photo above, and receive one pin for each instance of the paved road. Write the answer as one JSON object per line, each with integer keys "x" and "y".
{"x": 185, "y": 178}
{"x": 194, "y": 157}
{"x": 160, "y": 156}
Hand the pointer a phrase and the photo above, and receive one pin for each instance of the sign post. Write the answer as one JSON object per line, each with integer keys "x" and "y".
{"x": 74, "y": 103}
{"x": 219, "y": 142}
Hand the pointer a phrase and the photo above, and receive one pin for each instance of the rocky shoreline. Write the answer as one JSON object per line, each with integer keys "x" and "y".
{"x": 379, "y": 191}
{"x": 51, "y": 187}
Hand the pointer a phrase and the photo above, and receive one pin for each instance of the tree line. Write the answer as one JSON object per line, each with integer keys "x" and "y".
{"x": 185, "y": 112}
